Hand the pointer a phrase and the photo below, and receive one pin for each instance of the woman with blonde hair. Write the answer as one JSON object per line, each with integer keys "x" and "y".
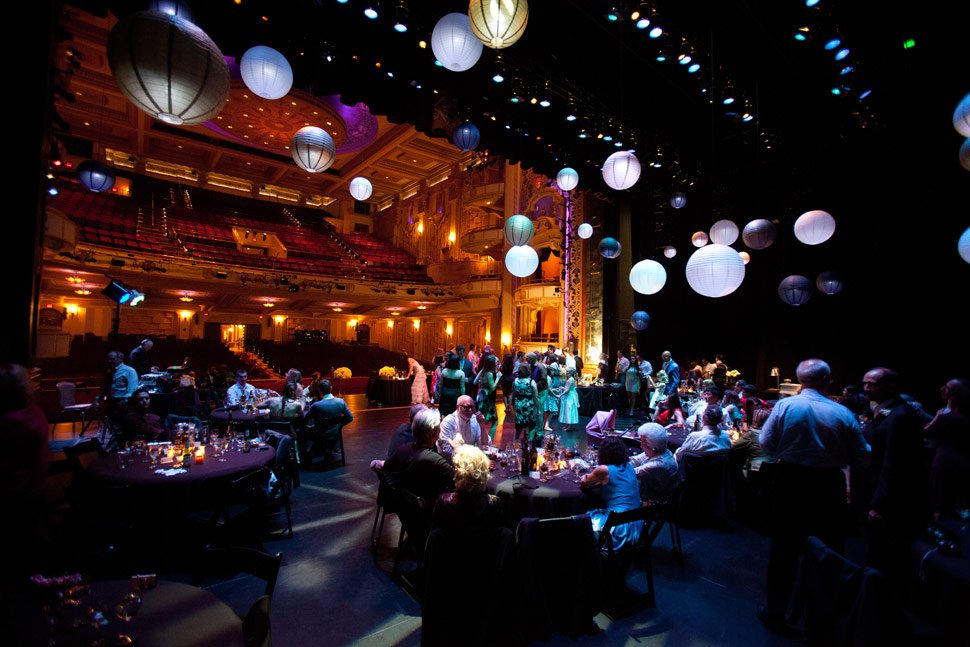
{"x": 468, "y": 506}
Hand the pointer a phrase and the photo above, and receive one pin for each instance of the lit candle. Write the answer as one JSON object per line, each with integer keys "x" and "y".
{"x": 200, "y": 454}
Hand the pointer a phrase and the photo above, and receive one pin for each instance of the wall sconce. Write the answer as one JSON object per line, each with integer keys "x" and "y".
{"x": 488, "y": 337}
{"x": 452, "y": 237}
{"x": 506, "y": 339}
{"x": 776, "y": 373}
{"x": 449, "y": 329}
{"x": 390, "y": 323}
{"x": 417, "y": 324}
{"x": 72, "y": 309}
{"x": 420, "y": 227}
{"x": 352, "y": 323}
{"x": 185, "y": 314}
{"x": 279, "y": 319}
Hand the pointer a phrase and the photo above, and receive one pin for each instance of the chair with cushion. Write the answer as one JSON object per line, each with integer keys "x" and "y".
{"x": 71, "y": 410}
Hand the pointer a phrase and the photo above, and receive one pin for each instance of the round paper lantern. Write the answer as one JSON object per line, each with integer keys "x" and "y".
{"x": 678, "y": 200}
{"x": 640, "y": 320}
{"x": 361, "y": 188}
{"x": 609, "y": 247}
{"x": 95, "y": 176}
{"x": 759, "y": 234}
{"x": 567, "y": 179}
{"x": 745, "y": 256}
{"x": 172, "y": 8}
{"x": 168, "y": 67}
{"x": 519, "y": 230}
{"x": 829, "y": 283}
{"x": 699, "y": 239}
{"x": 648, "y": 276}
{"x": 795, "y": 290}
{"x": 266, "y": 72}
{"x": 724, "y": 232}
{"x": 961, "y": 116}
{"x": 466, "y": 137}
{"x": 814, "y": 227}
{"x": 621, "y": 170}
{"x": 963, "y": 245}
{"x": 585, "y": 230}
{"x": 965, "y": 154}
{"x": 313, "y": 149}
{"x": 498, "y": 24}
{"x": 521, "y": 261}
{"x": 670, "y": 251}
{"x": 454, "y": 44}
{"x": 715, "y": 271}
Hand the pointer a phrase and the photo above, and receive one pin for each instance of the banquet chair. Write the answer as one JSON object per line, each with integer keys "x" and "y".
{"x": 291, "y": 428}
{"x": 70, "y": 409}
{"x": 706, "y": 498}
{"x": 240, "y": 513}
{"x": 386, "y": 504}
{"x": 256, "y": 624}
{"x": 414, "y": 513}
{"x": 620, "y": 559}
{"x": 225, "y": 563}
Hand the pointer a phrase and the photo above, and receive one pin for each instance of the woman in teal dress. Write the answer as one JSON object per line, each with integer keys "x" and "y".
{"x": 452, "y": 385}
{"x": 632, "y": 386}
{"x": 551, "y": 405}
{"x": 569, "y": 401}
{"x": 487, "y": 383}
{"x": 618, "y": 488}
{"x": 525, "y": 398}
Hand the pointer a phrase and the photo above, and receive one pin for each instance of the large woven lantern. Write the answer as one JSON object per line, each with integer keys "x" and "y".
{"x": 715, "y": 271}
{"x": 95, "y": 176}
{"x": 519, "y": 230}
{"x": 521, "y": 261}
{"x": 670, "y": 251}
{"x": 498, "y": 23}
{"x": 609, "y": 247}
{"x": 621, "y": 170}
{"x": 758, "y": 234}
{"x": 699, "y": 239}
{"x": 814, "y": 227}
{"x": 168, "y": 67}
{"x": 640, "y": 320}
{"x": 795, "y": 290}
{"x": 585, "y": 230}
{"x": 567, "y": 179}
{"x": 172, "y": 8}
{"x": 724, "y": 232}
{"x": 829, "y": 283}
{"x": 648, "y": 276}
{"x": 963, "y": 245}
{"x": 961, "y": 116}
{"x": 266, "y": 72}
{"x": 454, "y": 44}
{"x": 313, "y": 149}
{"x": 678, "y": 200}
{"x": 466, "y": 137}
{"x": 361, "y": 188}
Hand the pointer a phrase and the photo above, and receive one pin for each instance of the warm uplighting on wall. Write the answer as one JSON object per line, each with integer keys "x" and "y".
{"x": 420, "y": 227}
{"x": 390, "y": 323}
{"x": 185, "y": 314}
{"x": 279, "y": 319}
{"x": 506, "y": 339}
{"x": 488, "y": 337}
{"x": 452, "y": 237}
{"x": 417, "y": 324}
{"x": 72, "y": 308}
{"x": 449, "y": 329}
{"x": 352, "y": 323}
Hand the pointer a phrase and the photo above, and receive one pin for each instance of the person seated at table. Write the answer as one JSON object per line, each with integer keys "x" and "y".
{"x": 241, "y": 391}
{"x": 403, "y": 434}
{"x": 525, "y": 398}
{"x": 468, "y": 507}
{"x": 137, "y": 421}
{"x": 749, "y": 446}
{"x": 463, "y": 427}
{"x": 656, "y": 468}
{"x": 711, "y": 395}
{"x": 750, "y": 402}
{"x": 294, "y": 377}
{"x": 617, "y": 482}
{"x": 733, "y": 415}
{"x": 417, "y": 467}
{"x": 286, "y": 406}
{"x": 324, "y": 422}
{"x": 673, "y": 414}
{"x": 710, "y": 439}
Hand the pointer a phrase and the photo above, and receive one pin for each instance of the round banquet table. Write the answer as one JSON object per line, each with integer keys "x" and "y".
{"x": 390, "y": 392}
{"x": 595, "y": 398}
{"x": 107, "y": 469}
{"x": 524, "y": 496}
{"x": 240, "y": 416}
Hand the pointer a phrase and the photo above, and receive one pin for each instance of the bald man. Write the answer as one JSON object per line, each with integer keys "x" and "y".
{"x": 464, "y": 426}
{"x": 672, "y": 369}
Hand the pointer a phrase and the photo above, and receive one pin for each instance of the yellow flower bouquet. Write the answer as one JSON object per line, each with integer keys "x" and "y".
{"x": 387, "y": 372}
{"x": 342, "y": 373}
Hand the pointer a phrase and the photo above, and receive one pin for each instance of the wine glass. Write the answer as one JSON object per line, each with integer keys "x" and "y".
{"x": 154, "y": 451}
{"x": 125, "y": 610}
{"x": 240, "y": 440}
{"x": 576, "y": 468}
{"x": 219, "y": 448}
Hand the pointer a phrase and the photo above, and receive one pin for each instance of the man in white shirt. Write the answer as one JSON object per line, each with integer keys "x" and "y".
{"x": 241, "y": 391}
{"x": 656, "y": 468}
{"x": 710, "y": 395}
{"x": 463, "y": 426}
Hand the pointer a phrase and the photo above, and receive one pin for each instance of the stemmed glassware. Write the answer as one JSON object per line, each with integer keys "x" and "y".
{"x": 154, "y": 452}
{"x": 125, "y": 610}
{"x": 123, "y": 457}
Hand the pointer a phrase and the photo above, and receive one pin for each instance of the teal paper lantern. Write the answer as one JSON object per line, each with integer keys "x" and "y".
{"x": 609, "y": 247}
{"x": 518, "y": 230}
{"x": 567, "y": 179}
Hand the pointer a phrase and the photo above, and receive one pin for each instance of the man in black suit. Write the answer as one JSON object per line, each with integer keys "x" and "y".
{"x": 324, "y": 422}
{"x": 895, "y": 485}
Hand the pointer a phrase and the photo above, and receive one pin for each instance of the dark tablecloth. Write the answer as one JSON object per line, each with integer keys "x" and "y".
{"x": 107, "y": 469}
{"x": 595, "y": 398}
{"x": 524, "y": 496}
{"x": 391, "y": 393}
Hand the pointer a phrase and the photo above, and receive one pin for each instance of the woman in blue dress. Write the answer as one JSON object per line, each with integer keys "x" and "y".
{"x": 569, "y": 401}
{"x": 551, "y": 405}
{"x": 618, "y": 487}
{"x": 525, "y": 397}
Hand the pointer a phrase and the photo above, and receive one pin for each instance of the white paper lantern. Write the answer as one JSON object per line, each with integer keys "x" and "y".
{"x": 670, "y": 251}
{"x": 814, "y": 227}
{"x": 640, "y": 320}
{"x": 963, "y": 245}
{"x": 168, "y": 67}
{"x": 965, "y": 154}
{"x": 678, "y": 200}
{"x": 961, "y": 116}
{"x": 498, "y": 23}
{"x": 724, "y": 232}
{"x": 313, "y": 149}
{"x": 519, "y": 230}
{"x": 621, "y": 170}
{"x": 829, "y": 283}
{"x": 567, "y": 179}
{"x": 454, "y": 44}
{"x": 172, "y": 8}
{"x": 745, "y": 256}
{"x": 759, "y": 234}
{"x": 361, "y": 188}
{"x": 521, "y": 261}
{"x": 699, "y": 239}
{"x": 715, "y": 271}
{"x": 648, "y": 277}
{"x": 585, "y": 230}
{"x": 266, "y": 72}
{"x": 795, "y": 290}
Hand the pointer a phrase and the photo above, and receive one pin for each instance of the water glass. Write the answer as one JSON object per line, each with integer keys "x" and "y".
{"x": 123, "y": 456}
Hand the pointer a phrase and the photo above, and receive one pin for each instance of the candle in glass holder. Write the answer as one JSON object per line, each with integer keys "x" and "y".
{"x": 200, "y": 454}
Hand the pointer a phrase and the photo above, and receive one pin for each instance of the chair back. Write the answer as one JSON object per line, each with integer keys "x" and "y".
{"x": 707, "y": 490}
{"x": 256, "y": 624}
{"x": 386, "y": 493}
{"x": 225, "y": 563}
{"x": 82, "y": 453}
{"x": 415, "y": 515}
{"x": 66, "y": 394}
{"x": 642, "y": 513}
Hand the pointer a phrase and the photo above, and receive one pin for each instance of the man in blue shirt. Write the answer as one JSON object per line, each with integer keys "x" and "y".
{"x": 121, "y": 383}
{"x": 324, "y": 422}
{"x": 672, "y": 369}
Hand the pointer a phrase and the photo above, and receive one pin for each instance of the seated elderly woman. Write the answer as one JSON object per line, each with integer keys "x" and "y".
{"x": 710, "y": 439}
{"x": 617, "y": 480}
{"x": 468, "y": 507}
{"x": 656, "y": 468}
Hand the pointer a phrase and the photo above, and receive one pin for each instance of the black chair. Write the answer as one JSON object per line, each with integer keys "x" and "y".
{"x": 226, "y": 563}
{"x": 414, "y": 513}
{"x": 386, "y": 504}
{"x": 706, "y": 498}
{"x": 291, "y": 428}
{"x": 619, "y": 560}
{"x": 81, "y": 454}
{"x": 241, "y": 511}
{"x": 256, "y": 624}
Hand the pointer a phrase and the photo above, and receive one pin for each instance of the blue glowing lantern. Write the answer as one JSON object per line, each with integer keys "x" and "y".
{"x": 95, "y": 176}
{"x": 466, "y": 137}
{"x": 609, "y": 247}
{"x": 829, "y": 283}
{"x": 795, "y": 290}
{"x": 640, "y": 320}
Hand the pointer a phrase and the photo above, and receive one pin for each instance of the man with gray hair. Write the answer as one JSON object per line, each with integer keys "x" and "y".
{"x": 813, "y": 438}
{"x": 656, "y": 468}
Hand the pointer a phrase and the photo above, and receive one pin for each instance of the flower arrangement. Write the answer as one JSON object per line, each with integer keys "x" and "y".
{"x": 387, "y": 372}
{"x": 342, "y": 373}
{"x": 733, "y": 373}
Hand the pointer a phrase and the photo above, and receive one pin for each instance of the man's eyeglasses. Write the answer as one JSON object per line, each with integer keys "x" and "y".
{"x": 467, "y": 407}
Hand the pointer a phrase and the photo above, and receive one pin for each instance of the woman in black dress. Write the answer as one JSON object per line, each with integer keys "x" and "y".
{"x": 452, "y": 385}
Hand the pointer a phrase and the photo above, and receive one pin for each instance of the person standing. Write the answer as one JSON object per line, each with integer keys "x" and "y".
{"x": 138, "y": 357}
{"x": 488, "y": 380}
{"x": 419, "y": 387}
{"x": 672, "y": 369}
{"x": 525, "y": 400}
{"x": 813, "y": 438}
{"x": 122, "y": 380}
{"x": 569, "y": 401}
